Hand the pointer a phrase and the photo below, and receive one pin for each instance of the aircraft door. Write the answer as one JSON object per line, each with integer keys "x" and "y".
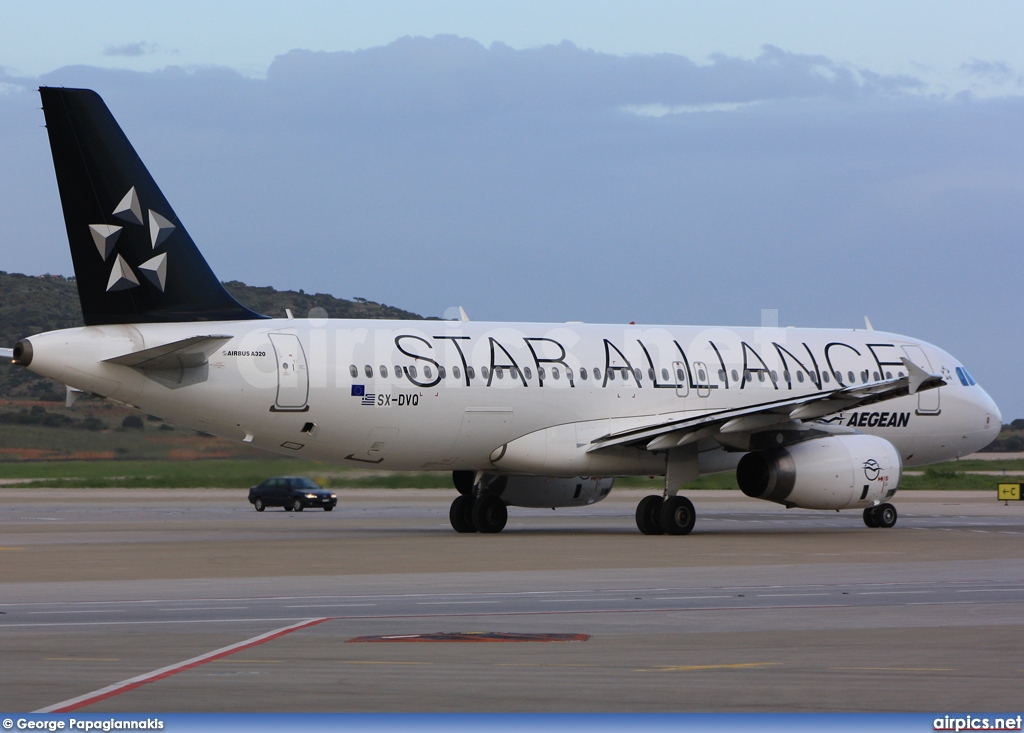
{"x": 702, "y": 379}
{"x": 681, "y": 382}
{"x": 928, "y": 400}
{"x": 292, "y": 374}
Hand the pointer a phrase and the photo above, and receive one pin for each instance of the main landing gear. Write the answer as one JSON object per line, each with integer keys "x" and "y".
{"x": 485, "y": 513}
{"x": 657, "y": 515}
{"x": 883, "y": 515}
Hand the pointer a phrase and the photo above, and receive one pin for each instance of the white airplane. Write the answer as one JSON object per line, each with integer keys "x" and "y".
{"x": 522, "y": 414}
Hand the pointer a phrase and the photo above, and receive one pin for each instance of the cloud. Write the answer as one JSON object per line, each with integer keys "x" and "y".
{"x": 132, "y": 50}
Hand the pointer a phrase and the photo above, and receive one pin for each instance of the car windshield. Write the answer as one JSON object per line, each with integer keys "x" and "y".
{"x": 307, "y": 484}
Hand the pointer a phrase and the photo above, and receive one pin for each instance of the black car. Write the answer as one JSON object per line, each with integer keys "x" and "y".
{"x": 291, "y": 492}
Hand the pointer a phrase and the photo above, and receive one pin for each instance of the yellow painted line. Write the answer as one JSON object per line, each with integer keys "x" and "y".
{"x": 700, "y": 667}
{"x": 13, "y": 549}
{"x": 894, "y": 669}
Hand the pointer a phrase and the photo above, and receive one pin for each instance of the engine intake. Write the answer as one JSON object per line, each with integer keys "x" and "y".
{"x": 837, "y": 472}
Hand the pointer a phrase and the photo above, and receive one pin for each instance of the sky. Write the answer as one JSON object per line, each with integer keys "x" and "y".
{"x": 657, "y": 162}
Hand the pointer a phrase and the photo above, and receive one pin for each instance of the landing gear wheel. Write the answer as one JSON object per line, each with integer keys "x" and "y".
{"x": 870, "y": 518}
{"x": 260, "y": 506}
{"x": 463, "y": 481}
{"x": 648, "y": 515}
{"x": 461, "y": 514}
{"x": 489, "y": 514}
{"x": 885, "y": 515}
{"x": 678, "y": 515}
{"x": 297, "y": 505}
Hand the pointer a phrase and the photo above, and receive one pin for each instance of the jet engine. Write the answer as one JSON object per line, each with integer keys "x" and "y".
{"x": 546, "y": 492}
{"x": 836, "y": 472}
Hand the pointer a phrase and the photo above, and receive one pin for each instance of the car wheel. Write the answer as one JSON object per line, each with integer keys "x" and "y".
{"x": 328, "y": 508}
{"x": 297, "y": 505}
{"x": 260, "y": 506}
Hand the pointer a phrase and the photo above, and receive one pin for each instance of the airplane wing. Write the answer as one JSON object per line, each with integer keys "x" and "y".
{"x": 190, "y": 352}
{"x": 734, "y": 427}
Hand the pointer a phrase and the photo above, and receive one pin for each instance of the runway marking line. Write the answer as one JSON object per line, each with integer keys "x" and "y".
{"x": 118, "y": 688}
{"x": 701, "y": 667}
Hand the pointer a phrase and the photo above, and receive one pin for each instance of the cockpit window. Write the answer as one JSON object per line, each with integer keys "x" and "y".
{"x": 965, "y": 377}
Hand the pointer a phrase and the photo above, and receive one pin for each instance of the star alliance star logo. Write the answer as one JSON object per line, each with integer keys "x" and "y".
{"x": 105, "y": 237}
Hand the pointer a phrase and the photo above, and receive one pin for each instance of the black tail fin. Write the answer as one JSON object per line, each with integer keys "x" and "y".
{"x": 134, "y": 261}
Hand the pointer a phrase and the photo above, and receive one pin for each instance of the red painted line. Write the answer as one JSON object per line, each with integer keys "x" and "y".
{"x": 118, "y": 688}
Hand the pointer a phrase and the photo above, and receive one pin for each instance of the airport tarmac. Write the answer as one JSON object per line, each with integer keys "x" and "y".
{"x": 188, "y": 600}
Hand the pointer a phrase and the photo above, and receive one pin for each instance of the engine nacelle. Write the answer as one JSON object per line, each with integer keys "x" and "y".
{"x": 837, "y": 472}
{"x": 545, "y": 492}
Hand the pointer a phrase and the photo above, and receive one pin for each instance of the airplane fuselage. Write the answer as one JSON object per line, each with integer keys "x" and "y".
{"x": 444, "y": 395}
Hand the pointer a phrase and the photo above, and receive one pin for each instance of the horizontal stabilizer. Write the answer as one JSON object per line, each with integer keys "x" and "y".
{"x": 184, "y": 354}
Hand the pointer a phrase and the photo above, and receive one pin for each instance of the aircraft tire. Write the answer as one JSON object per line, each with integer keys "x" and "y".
{"x": 648, "y": 515}
{"x": 870, "y": 517}
{"x": 489, "y": 514}
{"x": 678, "y": 515}
{"x": 260, "y": 506}
{"x": 885, "y": 515}
{"x": 461, "y": 514}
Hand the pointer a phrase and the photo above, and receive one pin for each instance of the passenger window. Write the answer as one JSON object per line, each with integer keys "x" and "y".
{"x": 735, "y": 376}
{"x": 638, "y": 374}
{"x": 528, "y": 372}
{"x": 597, "y": 374}
{"x": 483, "y": 372}
{"x": 800, "y": 377}
{"x": 851, "y": 379}
{"x": 411, "y": 371}
{"x": 680, "y": 376}
{"x": 471, "y": 373}
{"x": 441, "y": 372}
{"x": 368, "y": 371}
{"x": 398, "y": 372}
{"x": 457, "y": 372}
{"x": 664, "y": 375}
{"x": 354, "y": 371}
{"x": 383, "y": 371}
{"x": 427, "y": 372}
{"x": 499, "y": 372}
{"x": 583, "y": 373}
{"x": 611, "y": 375}
{"x": 721, "y": 375}
{"x": 513, "y": 373}
{"x": 650, "y": 374}
{"x": 554, "y": 372}
{"x": 541, "y": 373}
{"x": 824, "y": 376}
